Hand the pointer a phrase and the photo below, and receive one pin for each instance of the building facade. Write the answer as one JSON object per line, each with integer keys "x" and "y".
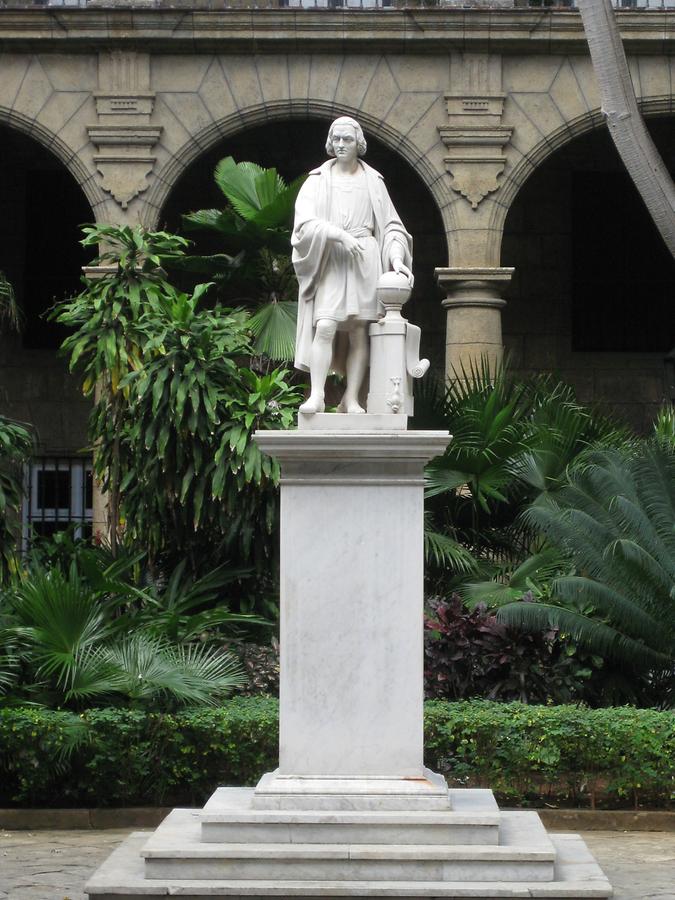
{"x": 485, "y": 121}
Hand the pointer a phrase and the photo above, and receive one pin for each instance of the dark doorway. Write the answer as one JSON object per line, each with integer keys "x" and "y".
{"x": 592, "y": 296}
{"x": 41, "y": 210}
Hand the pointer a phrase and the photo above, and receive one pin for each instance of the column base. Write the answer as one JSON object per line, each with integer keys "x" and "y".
{"x": 425, "y": 792}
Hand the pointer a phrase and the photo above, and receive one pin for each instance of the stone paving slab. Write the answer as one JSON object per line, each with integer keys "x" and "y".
{"x": 54, "y": 865}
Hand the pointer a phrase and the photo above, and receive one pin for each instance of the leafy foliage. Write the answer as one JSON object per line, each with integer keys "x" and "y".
{"x": 512, "y": 441}
{"x": 560, "y": 754}
{"x": 87, "y": 635}
{"x": 16, "y": 444}
{"x": 10, "y": 314}
{"x": 471, "y": 654}
{"x": 105, "y": 344}
{"x": 174, "y": 409}
{"x": 554, "y": 754}
{"x": 615, "y": 520}
{"x": 256, "y": 268}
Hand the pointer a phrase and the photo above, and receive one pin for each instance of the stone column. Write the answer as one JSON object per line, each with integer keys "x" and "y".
{"x": 474, "y": 321}
{"x": 351, "y": 693}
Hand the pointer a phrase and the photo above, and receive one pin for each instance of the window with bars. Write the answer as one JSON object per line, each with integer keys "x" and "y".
{"x": 58, "y": 495}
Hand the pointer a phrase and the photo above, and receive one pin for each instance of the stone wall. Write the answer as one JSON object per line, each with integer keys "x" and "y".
{"x": 539, "y": 321}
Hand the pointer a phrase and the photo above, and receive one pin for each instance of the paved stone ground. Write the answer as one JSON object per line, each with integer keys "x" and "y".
{"x": 54, "y": 865}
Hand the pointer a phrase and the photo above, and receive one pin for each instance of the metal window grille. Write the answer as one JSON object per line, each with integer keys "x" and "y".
{"x": 58, "y": 495}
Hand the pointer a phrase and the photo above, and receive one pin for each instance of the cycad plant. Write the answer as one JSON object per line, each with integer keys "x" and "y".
{"x": 512, "y": 440}
{"x": 255, "y": 269}
{"x": 614, "y": 520}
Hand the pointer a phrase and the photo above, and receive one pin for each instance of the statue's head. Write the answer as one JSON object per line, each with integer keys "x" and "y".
{"x": 346, "y": 122}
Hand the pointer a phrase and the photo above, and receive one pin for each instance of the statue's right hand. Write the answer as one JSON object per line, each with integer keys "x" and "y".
{"x": 353, "y": 246}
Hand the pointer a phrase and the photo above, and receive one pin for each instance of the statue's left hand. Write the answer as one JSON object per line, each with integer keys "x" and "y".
{"x": 399, "y": 266}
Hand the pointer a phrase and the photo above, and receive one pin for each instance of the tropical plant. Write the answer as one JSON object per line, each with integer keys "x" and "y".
{"x": 664, "y": 425}
{"x": 68, "y": 643}
{"x": 16, "y": 444}
{"x": 614, "y": 519}
{"x": 256, "y": 268}
{"x": 174, "y": 407}
{"x": 512, "y": 440}
{"x": 194, "y": 480}
{"x": 10, "y": 314}
{"x": 104, "y": 346}
{"x": 469, "y": 653}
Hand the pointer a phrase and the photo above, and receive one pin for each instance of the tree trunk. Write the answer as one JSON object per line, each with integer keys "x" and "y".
{"x": 626, "y": 126}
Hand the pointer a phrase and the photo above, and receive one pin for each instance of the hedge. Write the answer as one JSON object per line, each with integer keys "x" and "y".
{"x": 526, "y": 754}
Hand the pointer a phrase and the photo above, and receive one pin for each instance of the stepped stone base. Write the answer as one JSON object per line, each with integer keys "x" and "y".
{"x": 234, "y": 849}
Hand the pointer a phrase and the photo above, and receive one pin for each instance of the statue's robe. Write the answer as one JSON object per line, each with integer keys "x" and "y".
{"x": 331, "y": 282}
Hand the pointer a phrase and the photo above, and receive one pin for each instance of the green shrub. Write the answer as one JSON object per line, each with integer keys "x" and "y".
{"x": 564, "y": 754}
{"x": 526, "y": 754}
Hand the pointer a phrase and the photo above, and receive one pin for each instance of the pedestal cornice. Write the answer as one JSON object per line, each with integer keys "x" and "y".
{"x": 324, "y": 446}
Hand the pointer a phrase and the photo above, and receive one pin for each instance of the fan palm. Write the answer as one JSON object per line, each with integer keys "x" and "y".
{"x": 75, "y": 643}
{"x": 615, "y": 520}
{"x": 254, "y": 227}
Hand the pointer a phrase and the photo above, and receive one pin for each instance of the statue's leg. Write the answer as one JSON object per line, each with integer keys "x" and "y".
{"x": 319, "y": 364}
{"x": 357, "y": 363}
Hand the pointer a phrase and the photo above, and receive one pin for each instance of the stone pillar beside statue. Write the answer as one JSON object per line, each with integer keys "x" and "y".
{"x": 474, "y": 306}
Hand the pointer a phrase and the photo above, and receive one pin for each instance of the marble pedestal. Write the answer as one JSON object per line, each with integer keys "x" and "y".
{"x": 351, "y": 811}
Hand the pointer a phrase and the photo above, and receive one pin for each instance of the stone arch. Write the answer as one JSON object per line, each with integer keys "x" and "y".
{"x": 268, "y": 113}
{"x": 554, "y": 141}
{"x": 65, "y": 154}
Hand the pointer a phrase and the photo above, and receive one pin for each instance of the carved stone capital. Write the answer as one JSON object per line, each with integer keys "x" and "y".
{"x": 474, "y": 158}
{"x": 474, "y": 285}
{"x": 123, "y": 135}
{"x": 474, "y": 136}
{"x": 124, "y": 159}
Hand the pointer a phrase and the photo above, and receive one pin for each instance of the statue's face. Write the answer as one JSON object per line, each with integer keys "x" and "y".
{"x": 344, "y": 143}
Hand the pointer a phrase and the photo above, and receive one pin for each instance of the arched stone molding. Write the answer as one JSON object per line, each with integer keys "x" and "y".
{"x": 65, "y": 154}
{"x": 167, "y": 176}
{"x": 519, "y": 174}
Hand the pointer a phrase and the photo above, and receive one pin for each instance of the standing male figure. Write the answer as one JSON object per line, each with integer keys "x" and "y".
{"x": 346, "y": 233}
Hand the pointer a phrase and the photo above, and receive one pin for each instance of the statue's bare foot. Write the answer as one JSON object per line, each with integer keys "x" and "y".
{"x": 314, "y": 404}
{"x": 352, "y": 407}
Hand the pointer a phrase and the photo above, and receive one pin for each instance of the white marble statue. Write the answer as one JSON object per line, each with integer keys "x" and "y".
{"x": 346, "y": 234}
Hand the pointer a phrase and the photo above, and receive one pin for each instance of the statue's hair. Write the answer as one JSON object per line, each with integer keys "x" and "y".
{"x": 361, "y": 145}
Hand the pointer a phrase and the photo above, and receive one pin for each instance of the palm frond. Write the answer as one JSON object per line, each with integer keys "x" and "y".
{"x": 274, "y": 326}
{"x": 595, "y": 636}
{"x": 445, "y": 552}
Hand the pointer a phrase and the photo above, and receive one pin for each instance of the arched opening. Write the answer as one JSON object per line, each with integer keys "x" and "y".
{"x": 298, "y": 146}
{"x": 591, "y": 297}
{"x": 41, "y": 209}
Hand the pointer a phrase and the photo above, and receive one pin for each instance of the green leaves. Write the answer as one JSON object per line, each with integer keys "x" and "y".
{"x": 255, "y": 228}
{"x": 10, "y": 314}
{"x": 175, "y": 409}
{"x": 614, "y": 519}
{"x": 16, "y": 445}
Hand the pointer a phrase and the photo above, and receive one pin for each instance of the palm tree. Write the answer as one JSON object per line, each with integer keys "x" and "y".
{"x": 255, "y": 228}
{"x": 615, "y": 521}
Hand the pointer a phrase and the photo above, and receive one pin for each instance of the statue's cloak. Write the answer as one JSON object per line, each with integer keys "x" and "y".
{"x": 312, "y": 231}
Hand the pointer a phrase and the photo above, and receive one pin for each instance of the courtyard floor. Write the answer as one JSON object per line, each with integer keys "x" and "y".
{"x": 54, "y": 865}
